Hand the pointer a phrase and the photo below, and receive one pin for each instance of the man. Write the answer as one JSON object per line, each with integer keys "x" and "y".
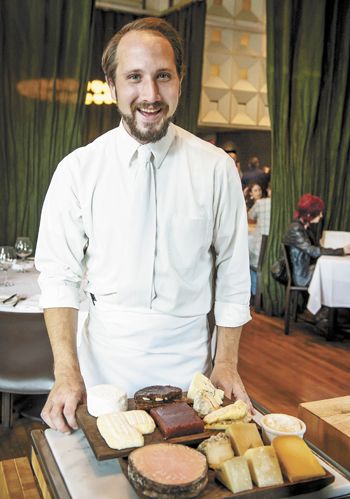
{"x": 233, "y": 154}
{"x": 254, "y": 174}
{"x": 139, "y": 213}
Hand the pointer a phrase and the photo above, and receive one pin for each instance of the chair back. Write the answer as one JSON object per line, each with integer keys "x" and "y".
{"x": 285, "y": 251}
{"x": 26, "y": 361}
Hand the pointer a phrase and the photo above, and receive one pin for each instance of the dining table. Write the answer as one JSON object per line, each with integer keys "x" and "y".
{"x": 23, "y": 295}
{"x": 330, "y": 287}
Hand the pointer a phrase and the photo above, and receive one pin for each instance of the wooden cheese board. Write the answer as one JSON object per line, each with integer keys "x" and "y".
{"x": 101, "y": 450}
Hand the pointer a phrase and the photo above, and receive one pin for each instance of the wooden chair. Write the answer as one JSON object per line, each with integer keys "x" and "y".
{"x": 26, "y": 361}
{"x": 292, "y": 292}
{"x": 258, "y": 269}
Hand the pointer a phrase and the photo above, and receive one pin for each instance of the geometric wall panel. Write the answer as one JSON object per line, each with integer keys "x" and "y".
{"x": 249, "y": 11}
{"x": 217, "y": 71}
{"x": 244, "y": 113}
{"x": 215, "y": 106}
{"x": 234, "y": 90}
{"x": 218, "y": 39}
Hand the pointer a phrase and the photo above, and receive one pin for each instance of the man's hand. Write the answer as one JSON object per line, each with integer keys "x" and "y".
{"x": 226, "y": 377}
{"x": 59, "y": 411}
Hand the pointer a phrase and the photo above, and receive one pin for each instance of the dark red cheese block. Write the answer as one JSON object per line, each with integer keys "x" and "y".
{"x": 177, "y": 419}
{"x": 167, "y": 471}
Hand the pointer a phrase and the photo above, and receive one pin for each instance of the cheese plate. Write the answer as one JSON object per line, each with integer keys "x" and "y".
{"x": 214, "y": 489}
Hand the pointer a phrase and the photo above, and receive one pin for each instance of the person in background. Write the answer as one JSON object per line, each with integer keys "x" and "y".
{"x": 234, "y": 155}
{"x": 252, "y": 193}
{"x": 260, "y": 213}
{"x": 152, "y": 204}
{"x": 300, "y": 239}
{"x": 253, "y": 173}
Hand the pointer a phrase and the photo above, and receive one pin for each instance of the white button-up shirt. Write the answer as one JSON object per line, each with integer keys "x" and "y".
{"x": 200, "y": 212}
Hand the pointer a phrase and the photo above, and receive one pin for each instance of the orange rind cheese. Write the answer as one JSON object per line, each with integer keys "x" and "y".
{"x": 296, "y": 458}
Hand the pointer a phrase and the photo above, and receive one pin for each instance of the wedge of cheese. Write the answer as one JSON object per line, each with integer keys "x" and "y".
{"x": 296, "y": 458}
{"x": 263, "y": 466}
{"x": 118, "y": 433}
{"x": 200, "y": 384}
{"x": 225, "y": 416}
{"x": 234, "y": 474}
{"x": 243, "y": 436}
{"x": 217, "y": 449}
{"x": 140, "y": 420}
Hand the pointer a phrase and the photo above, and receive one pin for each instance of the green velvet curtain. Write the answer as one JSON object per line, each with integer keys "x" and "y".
{"x": 45, "y": 54}
{"x": 189, "y": 20}
{"x": 308, "y": 73}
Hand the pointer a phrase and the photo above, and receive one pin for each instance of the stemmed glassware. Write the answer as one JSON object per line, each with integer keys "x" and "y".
{"x": 23, "y": 247}
{"x": 7, "y": 258}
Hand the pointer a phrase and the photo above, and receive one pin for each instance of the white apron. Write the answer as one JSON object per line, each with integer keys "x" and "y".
{"x": 134, "y": 349}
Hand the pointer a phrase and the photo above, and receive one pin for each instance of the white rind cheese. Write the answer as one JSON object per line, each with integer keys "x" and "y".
{"x": 118, "y": 433}
{"x": 104, "y": 399}
{"x": 140, "y": 420}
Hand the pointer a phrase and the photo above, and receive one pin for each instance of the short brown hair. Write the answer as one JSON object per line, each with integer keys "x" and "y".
{"x": 160, "y": 27}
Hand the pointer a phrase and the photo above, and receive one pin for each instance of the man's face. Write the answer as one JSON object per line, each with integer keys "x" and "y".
{"x": 147, "y": 86}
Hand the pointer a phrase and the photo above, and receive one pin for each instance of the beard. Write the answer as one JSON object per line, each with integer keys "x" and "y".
{"x": 150, "y": 132}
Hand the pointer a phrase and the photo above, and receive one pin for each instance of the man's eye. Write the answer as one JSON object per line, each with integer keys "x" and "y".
{"x": 164, "y": 76}
{"x": 134, "y": 77}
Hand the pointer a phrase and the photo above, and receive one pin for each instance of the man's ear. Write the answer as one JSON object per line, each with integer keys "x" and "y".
{"x": 112, "y": 89}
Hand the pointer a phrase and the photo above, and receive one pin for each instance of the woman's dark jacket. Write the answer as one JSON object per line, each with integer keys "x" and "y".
{"x": 304, "y": 253}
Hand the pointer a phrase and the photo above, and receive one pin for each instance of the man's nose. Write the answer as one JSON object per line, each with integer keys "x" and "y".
{"x": 150, "y": 90}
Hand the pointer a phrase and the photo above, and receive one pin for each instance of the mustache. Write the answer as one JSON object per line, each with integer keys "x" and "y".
{"x": 144, "y": 106}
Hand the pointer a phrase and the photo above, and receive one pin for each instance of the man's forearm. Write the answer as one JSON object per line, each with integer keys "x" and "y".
{"x": 227, "y": 345}
{"x": 61, "y": 324}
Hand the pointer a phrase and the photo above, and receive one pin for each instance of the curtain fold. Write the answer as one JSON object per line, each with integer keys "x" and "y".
{"x": 308, "y": 55}
{"x": 45, "y": 53}
{"x": 190, "y": 23}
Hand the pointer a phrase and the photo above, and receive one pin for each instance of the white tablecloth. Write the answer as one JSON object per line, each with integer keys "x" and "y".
{"x": 25, "y": 284}
{"x": 330, "y": 284}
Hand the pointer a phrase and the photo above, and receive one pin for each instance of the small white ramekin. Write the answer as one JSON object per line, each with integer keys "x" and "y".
{"x": 269, "y": 432}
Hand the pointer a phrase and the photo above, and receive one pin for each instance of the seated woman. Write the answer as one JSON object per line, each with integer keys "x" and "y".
{"x": 252, "y": 193}
{"x": 303, "y": 251}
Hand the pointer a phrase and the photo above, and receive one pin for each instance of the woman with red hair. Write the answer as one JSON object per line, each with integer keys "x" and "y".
{"x": 302, "y": 248}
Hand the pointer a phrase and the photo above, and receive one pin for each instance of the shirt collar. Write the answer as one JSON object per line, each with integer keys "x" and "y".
{"x": 127, "y": 145}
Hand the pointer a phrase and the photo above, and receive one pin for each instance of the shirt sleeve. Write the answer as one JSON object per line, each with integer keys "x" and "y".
{"x": 232, "y": 289}
{"x": 61, "y": 240}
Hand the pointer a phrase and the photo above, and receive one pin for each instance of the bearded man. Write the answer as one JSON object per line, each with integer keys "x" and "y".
{"x": 140, "y": 213}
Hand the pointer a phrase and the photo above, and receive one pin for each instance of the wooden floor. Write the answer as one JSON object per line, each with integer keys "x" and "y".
{"x": 279, "y": 372}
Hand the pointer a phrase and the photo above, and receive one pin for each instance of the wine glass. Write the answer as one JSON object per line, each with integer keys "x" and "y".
{"x": 23, "y": 247}
{"x": 7, "y": 258}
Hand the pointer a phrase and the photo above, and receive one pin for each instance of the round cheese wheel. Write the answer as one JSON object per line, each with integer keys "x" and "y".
{"x": 104, "y": 399}
{"x": 168, "y": 471}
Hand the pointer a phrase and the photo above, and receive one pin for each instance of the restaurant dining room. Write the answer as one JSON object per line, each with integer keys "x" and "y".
{"x": 174, "y": 249}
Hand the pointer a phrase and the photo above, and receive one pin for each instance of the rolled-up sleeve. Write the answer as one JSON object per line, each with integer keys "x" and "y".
{"x": 232, "y": 290}
{"x": 61, "y": 241}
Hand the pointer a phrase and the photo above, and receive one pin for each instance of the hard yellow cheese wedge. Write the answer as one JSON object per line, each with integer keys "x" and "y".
{"x": 244, "y": 436}
{"x": 263, "y": 466}
{"x": 140, "y": 420}
{"x": 296, "y": 459}
{"x": 234, "y": 474}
